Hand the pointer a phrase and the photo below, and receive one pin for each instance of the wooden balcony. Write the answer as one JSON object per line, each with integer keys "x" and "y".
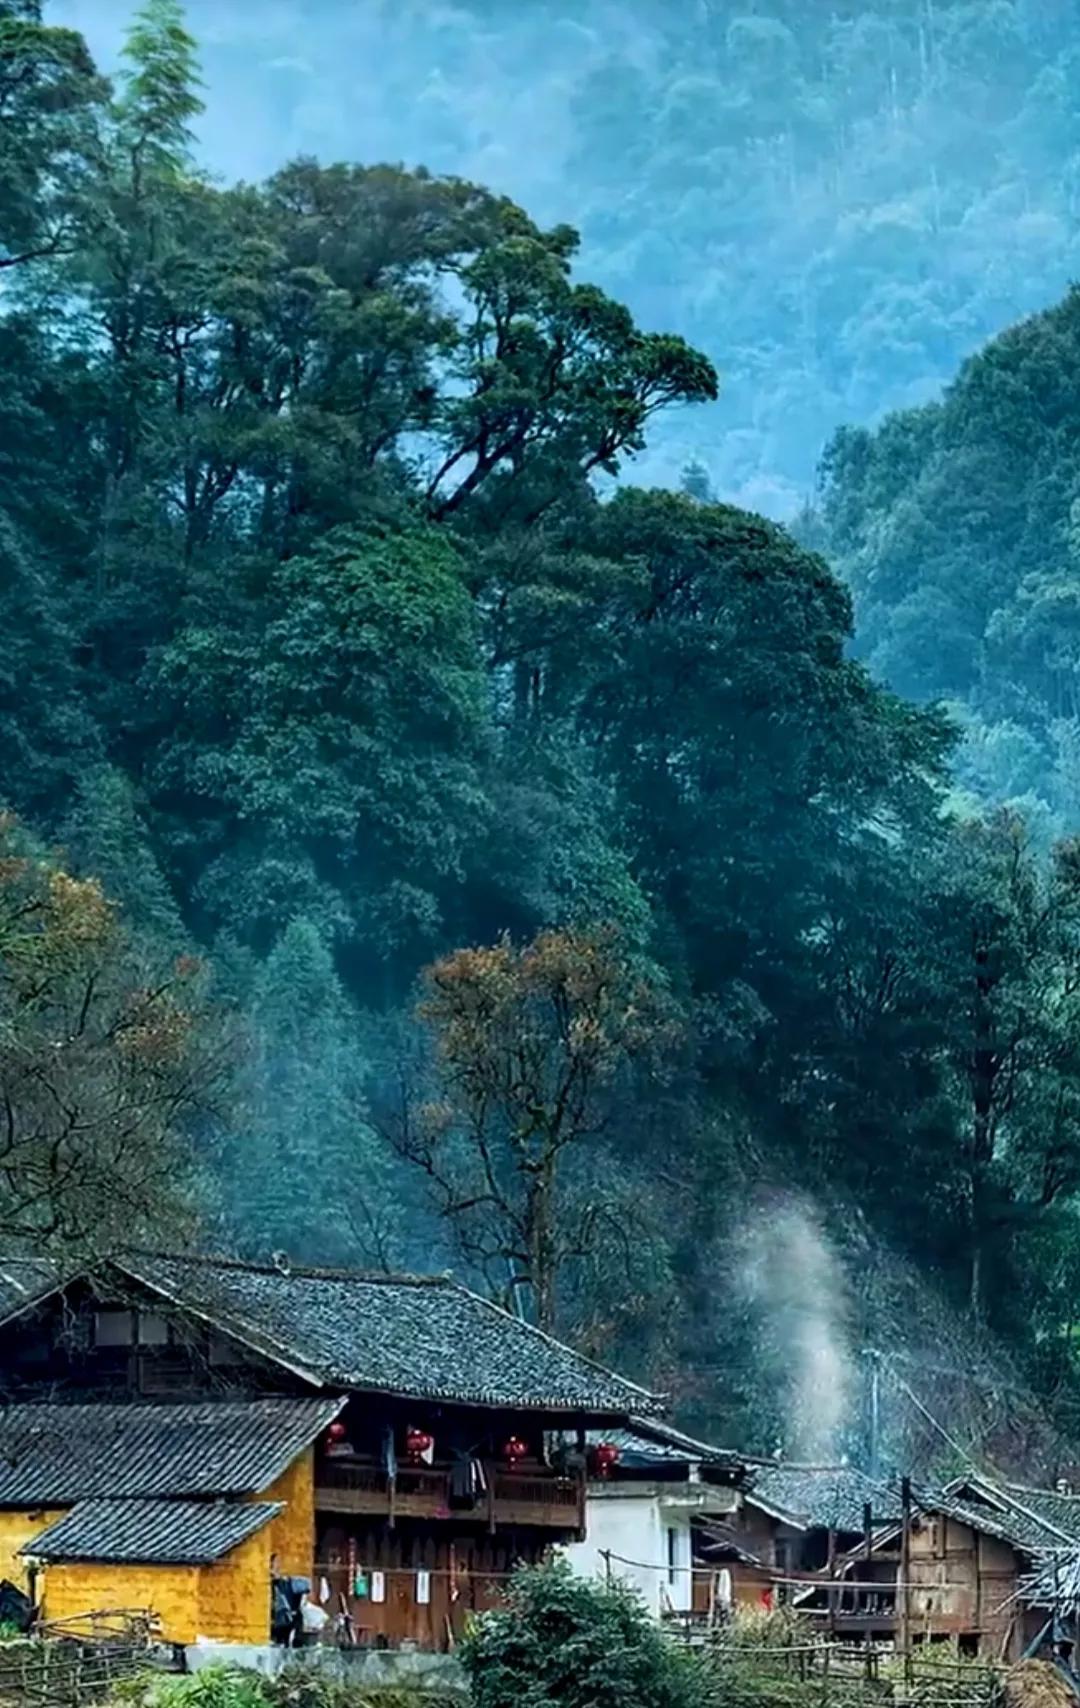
{"x": 527, "y": 1496}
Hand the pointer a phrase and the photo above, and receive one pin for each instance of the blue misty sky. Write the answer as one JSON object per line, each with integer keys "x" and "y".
{"x": 346, "y": 79}
{"x": 412, "y": 81}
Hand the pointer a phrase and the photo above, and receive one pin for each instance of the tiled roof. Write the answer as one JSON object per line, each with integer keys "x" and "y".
{"x": 54, "y": 1453}
{"x": 153, "y": 1532}
{"x": 1031, "y": 1520}
{"x": 825, "y": 1497}
{"x": 649, "y": 1442}
{"x": 22, "y": 1280}
{"x": 425, "y": 1337}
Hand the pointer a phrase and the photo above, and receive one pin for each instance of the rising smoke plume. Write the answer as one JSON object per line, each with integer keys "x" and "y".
{"x": 800, "y": 1303}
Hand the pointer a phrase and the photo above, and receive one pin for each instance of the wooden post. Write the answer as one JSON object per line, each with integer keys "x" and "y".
{"x": 830, "y": 1558}
{"x": 866, "y": 1597}
{"x": 905, "y": 1576}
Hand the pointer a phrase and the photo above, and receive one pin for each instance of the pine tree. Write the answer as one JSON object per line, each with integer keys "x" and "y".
{"x": 106, "y": 834}
{"x": 308, "y": 1176}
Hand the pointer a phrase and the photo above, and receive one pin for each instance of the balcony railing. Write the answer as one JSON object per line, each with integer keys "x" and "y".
{"x": 528, "y": 1496}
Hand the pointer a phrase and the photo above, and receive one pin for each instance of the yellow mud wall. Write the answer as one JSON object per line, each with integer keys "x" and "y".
{"x": 16, "y": 1529}
{"x": 234, "y": 1594}
{"x": 172, "y": 1592}
{"x": 292, "y": 1533}
{"x": 229, "y": 1601}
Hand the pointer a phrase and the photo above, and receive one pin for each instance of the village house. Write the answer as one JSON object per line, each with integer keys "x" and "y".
{"x": 795, "y": 1528}
{"x": 188, "y": 1435}
{"x": 647, "y": 1487}
{"x": 795, "y": 1518}
{"x": 973, "y": 1551}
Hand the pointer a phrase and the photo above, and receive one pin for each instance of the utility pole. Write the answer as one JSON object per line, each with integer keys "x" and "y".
{"x": 873, "y": 1410}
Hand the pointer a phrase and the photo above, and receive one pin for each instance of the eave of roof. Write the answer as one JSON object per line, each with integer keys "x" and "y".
{"x": 55, "y": 1453}
{"x": 699, "y": 1452}
{"x": 151, "y": 1532}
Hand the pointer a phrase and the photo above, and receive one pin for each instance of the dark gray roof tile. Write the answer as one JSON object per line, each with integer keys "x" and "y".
{"x": 151, "y": 1532}
{"x": 55, "y": 1453}
{"x": 821, "y": 1497}
{"x": 425, "y": 1337}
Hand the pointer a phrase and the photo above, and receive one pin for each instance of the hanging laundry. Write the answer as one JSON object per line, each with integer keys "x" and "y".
{"x": 389, "y": 1454}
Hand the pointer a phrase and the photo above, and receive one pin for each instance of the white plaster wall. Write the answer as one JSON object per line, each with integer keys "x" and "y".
{"x": 635, "y": 1527}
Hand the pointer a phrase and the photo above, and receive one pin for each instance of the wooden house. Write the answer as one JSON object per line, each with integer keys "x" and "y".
{"x": 797, "y": 1518}
{"x": 796, "y": 1525}
{"x": 646, "y": 1488}
{"x": 178, "y": 1433}
{"x": 971, "y": 1549}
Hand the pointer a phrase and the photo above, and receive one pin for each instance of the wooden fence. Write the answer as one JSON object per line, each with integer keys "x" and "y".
{"x": 841, "y": 1674}
{"x": 66, "y": 1664}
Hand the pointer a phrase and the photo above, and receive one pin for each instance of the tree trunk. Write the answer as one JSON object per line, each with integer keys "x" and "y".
{"x": 542, "y": 1245}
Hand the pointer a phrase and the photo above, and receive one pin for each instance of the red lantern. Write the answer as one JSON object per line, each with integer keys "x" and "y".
{"x": 336, "y": 1432}
{"x": 606, "y": 1458}
{"x": 417, "y": 1443}
{"x": 515, "y": 1450}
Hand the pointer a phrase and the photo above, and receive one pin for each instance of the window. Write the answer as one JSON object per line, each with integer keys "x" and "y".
{"x": 672, "y": 1553}
{"x": 114, "y": 1328}
{"x": 153, "y": 1330}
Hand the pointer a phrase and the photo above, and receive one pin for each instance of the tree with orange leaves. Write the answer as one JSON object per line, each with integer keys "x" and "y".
{"x": 104, "y": 1061}
{"x": 532, "y": 1049}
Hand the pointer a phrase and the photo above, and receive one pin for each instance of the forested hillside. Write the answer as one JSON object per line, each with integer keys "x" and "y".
{"x": 958, "y": 528}
{"x": 836, "y": 202}
{"x": 420, "y": 860}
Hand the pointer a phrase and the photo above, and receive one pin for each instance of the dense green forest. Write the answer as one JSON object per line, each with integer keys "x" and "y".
{"x": 836, "y": 202}
{"x": 958, "y": 526}
{"x": 415, "y": 857}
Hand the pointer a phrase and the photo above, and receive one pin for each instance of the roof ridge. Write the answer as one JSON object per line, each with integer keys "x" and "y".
{"x": 807, "y": 1465}
{"x": 1040, "y": 1489}
{"x": 306, "y": 1271}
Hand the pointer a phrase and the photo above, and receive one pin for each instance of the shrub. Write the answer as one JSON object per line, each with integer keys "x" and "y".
{"x": 563, "y": 1642}
{"x": 307, "y": 1687}
{"x": 212, "y": 1687}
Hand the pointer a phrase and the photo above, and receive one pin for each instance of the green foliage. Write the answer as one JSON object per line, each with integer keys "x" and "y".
{"x": 330, "y": 756}
{"x": 224, "y": 1686}
{"x": 324, "y": 653}
{"x": 564, "y": 1641}
{"x": 50, "y": 97}
{"x": 210, "y": 1687}
{"x": 159, "y": 87}
{"x": 304, "y": 1687}
{"x": 955, "y": 526}
{"x": 304, "y": 1118}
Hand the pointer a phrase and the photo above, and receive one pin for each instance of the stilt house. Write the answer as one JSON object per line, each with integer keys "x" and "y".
{"x": 179, "y": 1433}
